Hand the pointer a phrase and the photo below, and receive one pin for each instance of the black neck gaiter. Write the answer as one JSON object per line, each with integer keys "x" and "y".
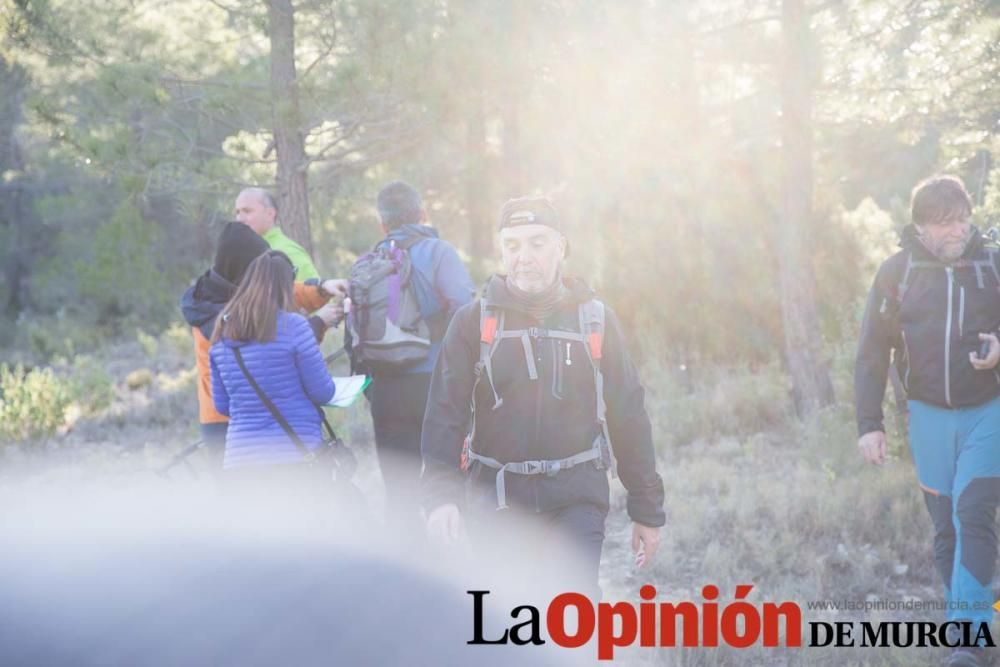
{"x": 541, "y": 304}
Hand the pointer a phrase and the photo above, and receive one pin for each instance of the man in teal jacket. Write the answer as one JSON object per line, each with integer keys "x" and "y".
{"x": 256, "y": 208}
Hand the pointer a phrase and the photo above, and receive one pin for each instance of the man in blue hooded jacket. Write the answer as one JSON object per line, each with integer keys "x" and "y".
{"x": 398, "y": 398}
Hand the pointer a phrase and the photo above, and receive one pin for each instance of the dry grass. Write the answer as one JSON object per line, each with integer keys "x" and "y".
{"x": 784, "y": 516}
{"x": 785, "y": 506}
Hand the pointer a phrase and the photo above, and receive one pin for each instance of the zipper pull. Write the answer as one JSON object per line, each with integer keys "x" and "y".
{"x": 569, "y": 360}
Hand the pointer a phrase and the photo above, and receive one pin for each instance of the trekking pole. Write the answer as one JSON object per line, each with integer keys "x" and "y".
{"x": 181, "y": 457}
{"x": 335, "y": 355}
{"x": 899, "y": 394}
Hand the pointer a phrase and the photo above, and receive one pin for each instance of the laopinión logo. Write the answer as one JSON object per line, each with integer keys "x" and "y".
{"x": 738, "y": 624}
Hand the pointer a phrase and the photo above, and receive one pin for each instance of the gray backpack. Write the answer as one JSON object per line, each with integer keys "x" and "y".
{"x": 385, "y": 323}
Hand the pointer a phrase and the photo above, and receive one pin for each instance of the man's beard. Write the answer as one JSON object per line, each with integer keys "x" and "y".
{"x": 947, "y": 250}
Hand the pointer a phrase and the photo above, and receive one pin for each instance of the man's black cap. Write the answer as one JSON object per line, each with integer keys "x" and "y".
{"x": 529, "y": 211}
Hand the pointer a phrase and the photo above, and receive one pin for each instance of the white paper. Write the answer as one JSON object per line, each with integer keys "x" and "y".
{"x": 348, "y": 390}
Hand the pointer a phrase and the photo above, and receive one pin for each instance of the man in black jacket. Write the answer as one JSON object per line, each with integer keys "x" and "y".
{"x": 531, "y": 358}
{"x": 933, "y": 306}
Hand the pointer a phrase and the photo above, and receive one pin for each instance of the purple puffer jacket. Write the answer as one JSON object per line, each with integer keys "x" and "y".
{"x": 291, "y": 372}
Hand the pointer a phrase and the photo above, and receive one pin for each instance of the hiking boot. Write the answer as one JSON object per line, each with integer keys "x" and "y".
{"x": 974, "y": 656}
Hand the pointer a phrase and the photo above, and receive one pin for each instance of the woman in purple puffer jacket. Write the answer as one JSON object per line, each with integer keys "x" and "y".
{"x": 280, "y": 353}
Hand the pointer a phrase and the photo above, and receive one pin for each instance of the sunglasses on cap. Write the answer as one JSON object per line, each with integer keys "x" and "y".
{"x": 278, "y": 253}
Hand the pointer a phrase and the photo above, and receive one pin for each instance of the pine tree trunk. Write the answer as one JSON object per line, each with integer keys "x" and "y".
{"x": 513, "y": 91}
{"x": 810, "y": 377}
{"x": 293, "y": 184}
{"x": 16, "y": 207}
{"x": 477, "y": 180}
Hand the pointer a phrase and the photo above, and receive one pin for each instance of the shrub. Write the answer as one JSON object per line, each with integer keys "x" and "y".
{"x": 717, "y": 402}
{"x": 149, "y": 344}
{"x": 139, "y": 379}
{"x": 177, "y": 339}
{"x": 41, "y": 338}
{"x": 32, "y": 404}
{"x": 91, "y": 385}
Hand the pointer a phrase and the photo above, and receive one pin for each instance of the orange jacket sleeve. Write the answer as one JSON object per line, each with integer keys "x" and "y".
{"x": 207, "y": 414}
{"x": 309, "y": 297}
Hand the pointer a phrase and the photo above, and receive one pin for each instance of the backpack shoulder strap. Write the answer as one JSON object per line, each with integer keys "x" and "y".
{"x": 592, "y": 325}
{"x": 490, "y": 332}
{"x": 592, "y": 328}
{"x": 899, "y": 282}
{"x": 488, "y": 324}
{"x": 992, "y": 250}
{"x": 404, "y": 243}
{"x": 904, "y": 282}
{"x": 410, "y": 241}
{"x": 591, "y": 315}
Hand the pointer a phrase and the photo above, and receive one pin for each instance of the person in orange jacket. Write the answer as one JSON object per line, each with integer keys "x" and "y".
{"x": 237, "y": 247}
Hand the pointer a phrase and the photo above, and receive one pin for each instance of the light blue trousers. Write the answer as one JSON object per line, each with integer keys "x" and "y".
{"x": 957, "y": 454}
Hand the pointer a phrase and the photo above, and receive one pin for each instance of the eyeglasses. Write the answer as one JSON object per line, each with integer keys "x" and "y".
{"x": 947, "y": 222}
{"x": 278, "y": 253}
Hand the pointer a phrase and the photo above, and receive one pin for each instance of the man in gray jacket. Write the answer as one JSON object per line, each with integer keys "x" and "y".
{"x": 399, "y": 395}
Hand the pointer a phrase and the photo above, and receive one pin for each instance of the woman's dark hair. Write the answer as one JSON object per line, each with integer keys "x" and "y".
{"x": 939, "y": 199}
{"x": 252, "y": 313}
